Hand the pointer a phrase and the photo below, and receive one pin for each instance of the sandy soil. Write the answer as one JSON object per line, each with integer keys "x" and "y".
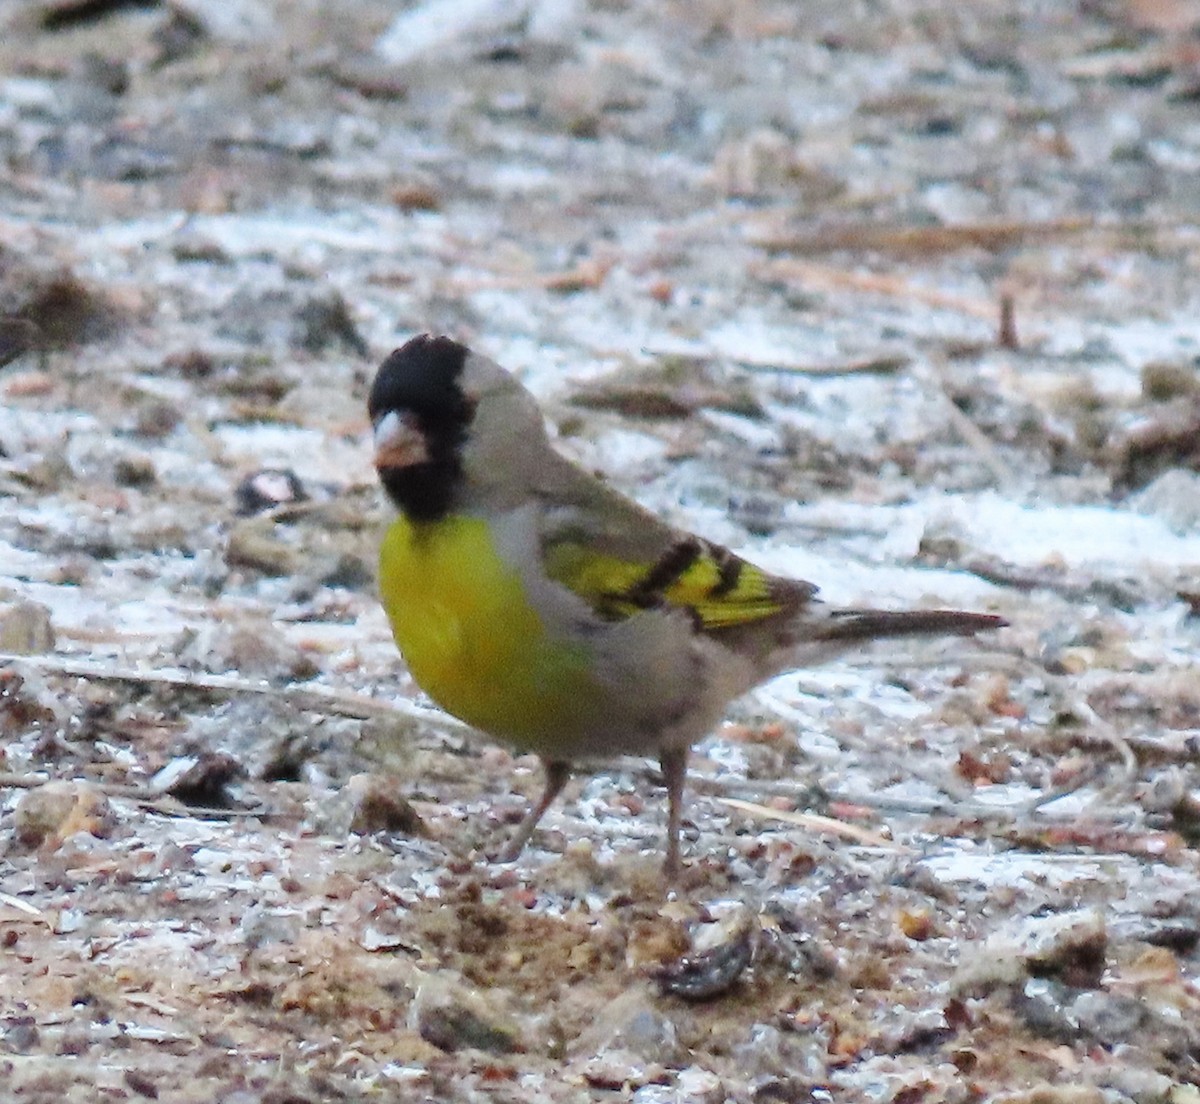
{"x": 894, "y": 297}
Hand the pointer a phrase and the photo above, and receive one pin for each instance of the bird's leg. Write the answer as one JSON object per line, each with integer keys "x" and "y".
{"x": 674, "y": 767}
{"x": 557, "y": 773}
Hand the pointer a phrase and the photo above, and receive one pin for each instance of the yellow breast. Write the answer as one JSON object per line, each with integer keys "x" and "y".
{"x": 462, "y": 621}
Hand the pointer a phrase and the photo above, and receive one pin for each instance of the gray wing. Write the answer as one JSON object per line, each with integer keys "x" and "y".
{"x": 620, "y": 558}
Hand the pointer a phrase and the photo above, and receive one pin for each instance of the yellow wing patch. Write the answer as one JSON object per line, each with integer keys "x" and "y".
{"x": 717, "y": 588}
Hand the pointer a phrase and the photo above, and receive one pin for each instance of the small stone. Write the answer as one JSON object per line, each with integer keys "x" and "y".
{"x": 199, "y": 779}
{"x": 266, "y": 489}
{"x": 655, "y": 943}
{"x": 141, "y": 1084}
{"x": 1109, "y": 1018}
{"x": 157, "y": 418}
{"x": 1069, "y": 947}
{"x": 253, "y": 648}
{"x": 916, "y": 923}
{"x": 179, "y": 36}
{"x": 325, "y": 321}
{"x": 1144, "y": 1084}
{"x": 453, "y": 1018}
{"x": 1175, "y": 498}
{"x": 236, "y": 21}
{"x": 448, "y": 29}
{"x": 50, "y": 814}
{"x": 249, "y": 546}
{"x": 27, "y": 385}
{"x": 699, "y": 1085}
{"x": 21, "y": 1034}
{"x": 1045, "y": 1007}
{"x": 720, "y": 957}
{"x": 17, "y": 336}
{"x": 416, "y": 196}
{"x": 313, "y": 404}
{"x": 25, "y": 626}
{"x": 135, "y": 470}
{"x": 631, "y": 1022}
{"x": 191, "y": 364}
{"x": 23, "y": 707}
{"x": 106, "y": 75}
{"x": 379, "y": 808}
{"x": 1056, "y": 1094}
{"x": 348, "y": 571}
{"x": 64, "y": 311}
{"x": 910, "y": 1030}
{"x": 1163, "y": 380}
{"x": 619, "y": 1070}
{"x": 369, "y": 77}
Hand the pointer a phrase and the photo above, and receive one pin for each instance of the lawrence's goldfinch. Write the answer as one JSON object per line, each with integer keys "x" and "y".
{"x": 544, "y": 608}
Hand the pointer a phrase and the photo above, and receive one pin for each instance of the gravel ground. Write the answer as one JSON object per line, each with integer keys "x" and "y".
{"x": 896, "y": 296}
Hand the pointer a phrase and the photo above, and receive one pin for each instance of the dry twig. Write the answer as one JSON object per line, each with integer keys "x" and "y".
{"x": 813, "y": 822}
{"x": 325, "y": 700}
{"x": 908, "y": 240}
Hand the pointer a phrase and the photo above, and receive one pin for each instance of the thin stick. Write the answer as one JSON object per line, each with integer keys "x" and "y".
{"x": 813, "y": 822}
{"x": 1006, "y": 336}
{"x": 876, "y": 238}
{"x": 324, "y": 700}
{"x": 971, "y": 434}
{"x": 881, "y": 364}
{"x": 813, "y": 275}
{"x": 144, "y": 798}
{"x": 871, "y": 366}
{"x": 21, "y": 906}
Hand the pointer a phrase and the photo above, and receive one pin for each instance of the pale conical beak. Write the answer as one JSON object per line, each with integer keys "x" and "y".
{"x": 399, "y": 442}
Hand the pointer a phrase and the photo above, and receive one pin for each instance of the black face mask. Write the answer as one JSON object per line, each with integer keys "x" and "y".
{"x": 420, "y": 381}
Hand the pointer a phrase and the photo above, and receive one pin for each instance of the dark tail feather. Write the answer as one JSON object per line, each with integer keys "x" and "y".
{"x": 850, "y": 624}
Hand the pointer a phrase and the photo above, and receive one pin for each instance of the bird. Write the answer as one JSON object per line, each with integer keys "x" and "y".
{"x": 541, "y": 606}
